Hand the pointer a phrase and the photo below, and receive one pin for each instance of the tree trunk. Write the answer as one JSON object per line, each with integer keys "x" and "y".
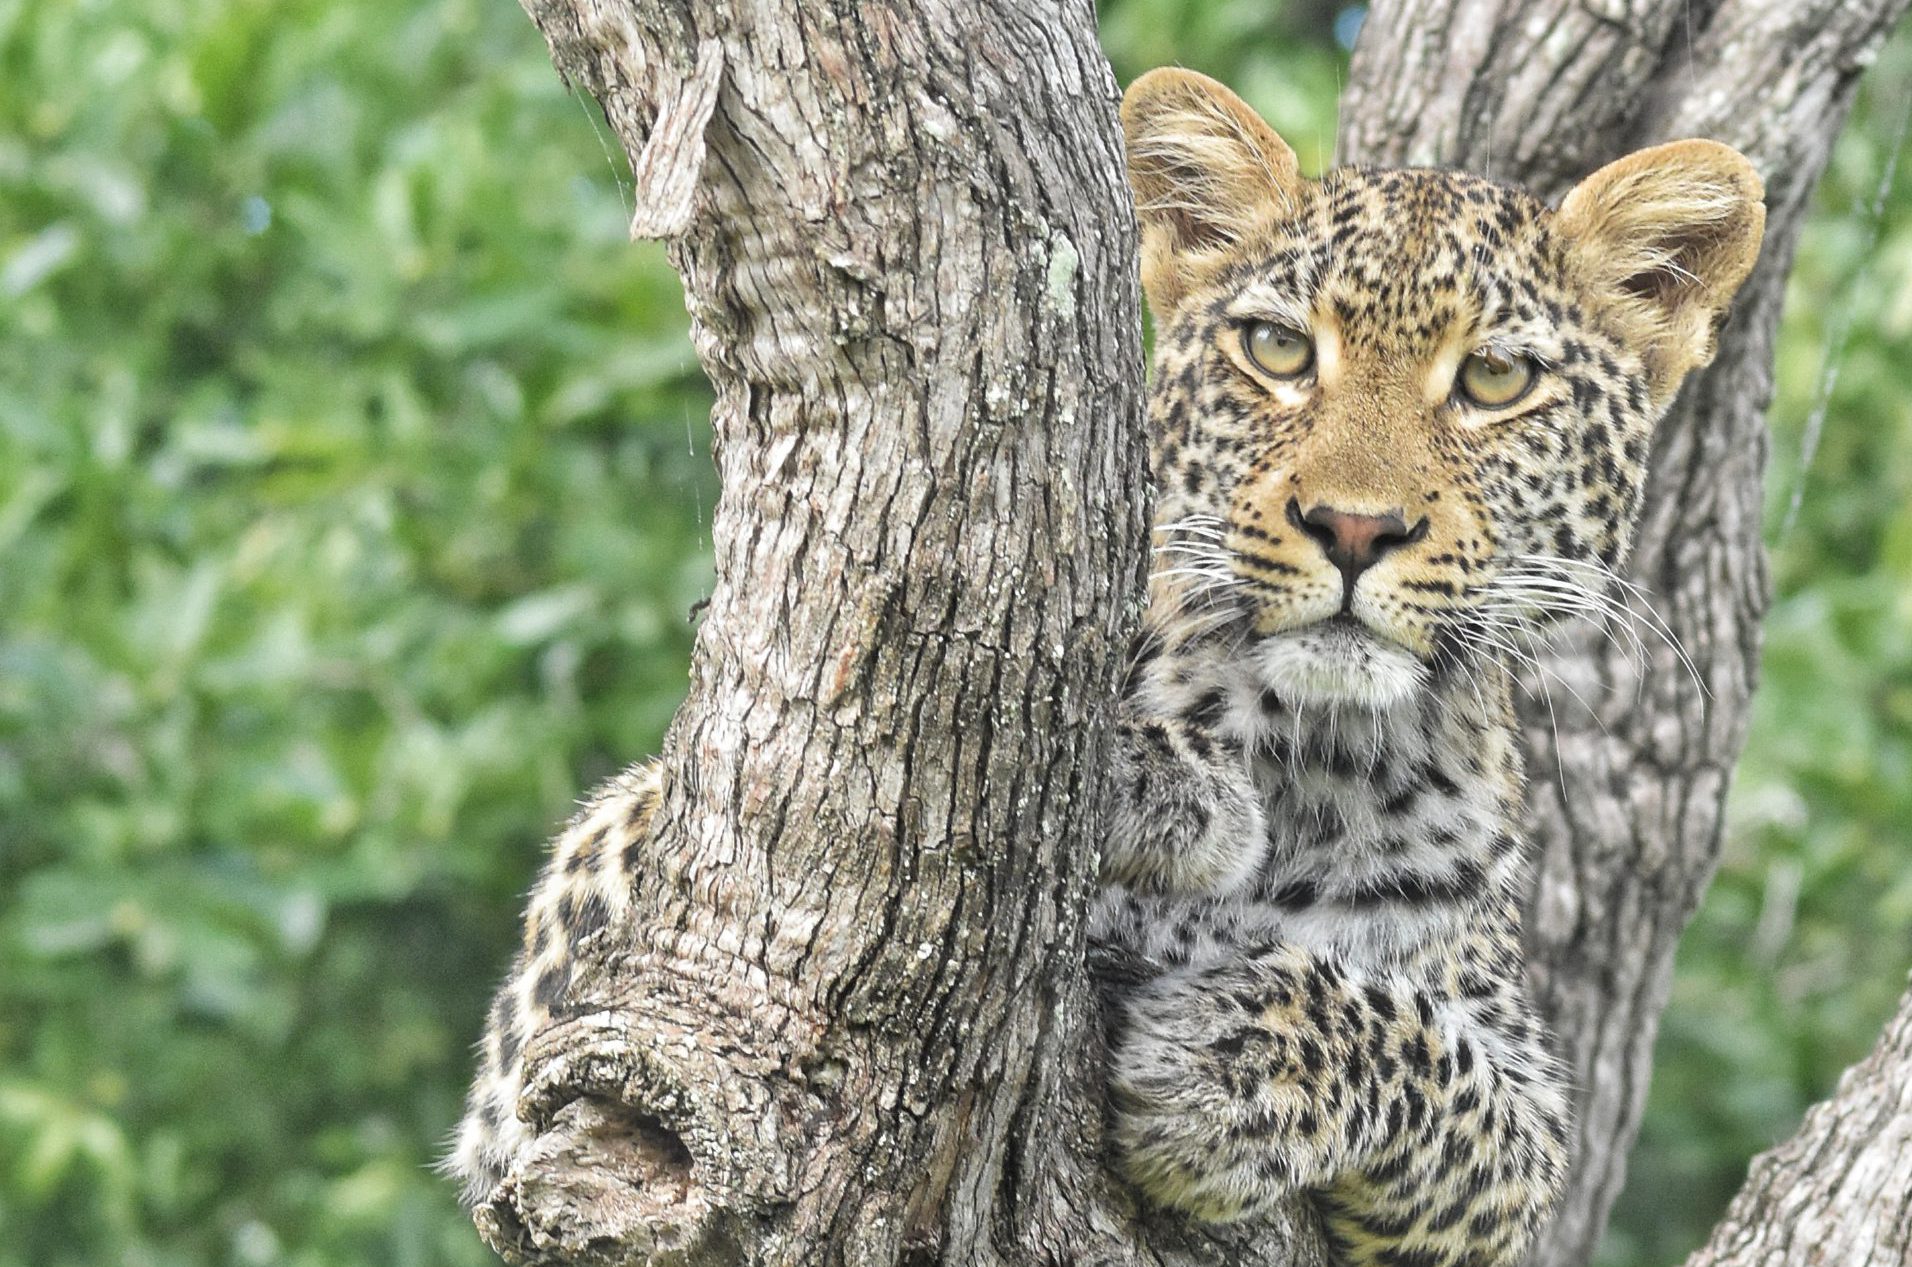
{"x": 1626, "y": 792}
{"x": 850, "y": 1023}
{"x": 852, "y": 1026}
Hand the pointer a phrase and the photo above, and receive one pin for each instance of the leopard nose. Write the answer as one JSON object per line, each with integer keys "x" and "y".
{"x": 1354, "y": 543}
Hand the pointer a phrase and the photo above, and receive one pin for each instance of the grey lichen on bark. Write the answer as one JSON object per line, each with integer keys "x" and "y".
{"x": 849, "y": 1023}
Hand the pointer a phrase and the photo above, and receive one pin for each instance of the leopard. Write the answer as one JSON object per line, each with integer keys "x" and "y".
{"x": 1400, "y": 430}
{"x": 1399, "y": 426}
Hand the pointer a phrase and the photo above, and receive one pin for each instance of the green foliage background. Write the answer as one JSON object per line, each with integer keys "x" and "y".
{"x": 352, "y": 468}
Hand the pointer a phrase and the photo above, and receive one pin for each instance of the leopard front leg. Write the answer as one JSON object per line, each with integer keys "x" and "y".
{"x": 1185, "y": 817}
{"x": 1424, "y": 1134}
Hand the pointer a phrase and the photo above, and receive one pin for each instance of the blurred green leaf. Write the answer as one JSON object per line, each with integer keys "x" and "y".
{"x": 348, "y": 522}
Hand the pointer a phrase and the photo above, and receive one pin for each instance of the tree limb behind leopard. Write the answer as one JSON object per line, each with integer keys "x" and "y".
{"x": 1400, "y": 424}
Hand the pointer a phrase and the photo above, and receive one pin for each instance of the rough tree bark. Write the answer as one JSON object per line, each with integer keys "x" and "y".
{"x": 851, "y": 1024}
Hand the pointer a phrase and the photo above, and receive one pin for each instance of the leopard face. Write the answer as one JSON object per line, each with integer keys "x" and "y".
{"x": 1401, "y": 418}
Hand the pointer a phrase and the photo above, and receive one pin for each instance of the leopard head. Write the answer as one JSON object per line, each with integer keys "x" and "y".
{"x": 1402, "y": 417}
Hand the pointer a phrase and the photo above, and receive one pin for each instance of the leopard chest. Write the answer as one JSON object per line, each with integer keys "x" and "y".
{"x": 1387, "y": 835}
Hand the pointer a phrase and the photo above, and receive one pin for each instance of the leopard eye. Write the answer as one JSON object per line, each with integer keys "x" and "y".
{"x": 1494, "y": 380}
{"x": 1278, "y": 350}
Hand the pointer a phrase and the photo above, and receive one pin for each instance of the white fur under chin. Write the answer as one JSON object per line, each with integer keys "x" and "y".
{"x": 1338, "y": 664}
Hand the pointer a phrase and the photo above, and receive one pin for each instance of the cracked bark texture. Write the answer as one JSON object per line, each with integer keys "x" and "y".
{"x": 850, "y": 1023}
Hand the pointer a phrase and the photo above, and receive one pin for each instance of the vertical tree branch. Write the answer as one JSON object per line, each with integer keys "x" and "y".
{"x": 849, "y": 1022}
{"x": 1627, "y": 793}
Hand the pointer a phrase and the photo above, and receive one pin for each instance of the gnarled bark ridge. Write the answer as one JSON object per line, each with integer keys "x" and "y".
{"x": 849, "y": 1024}
{"x": 1840, "y": 1191}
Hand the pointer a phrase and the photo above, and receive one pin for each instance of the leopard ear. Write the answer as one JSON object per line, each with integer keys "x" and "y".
{"x": 1205, "y": 171}
{"x": 1666, "y": 235}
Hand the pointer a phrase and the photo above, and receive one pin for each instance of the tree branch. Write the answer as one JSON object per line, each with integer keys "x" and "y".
{"x": 1839, "y": 1191}
{"x": 1626, "y": 794}
{"x": 850, "y": 1023}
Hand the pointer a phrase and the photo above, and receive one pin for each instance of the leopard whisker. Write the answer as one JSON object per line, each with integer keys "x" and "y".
{"x": 1516, "y": 609}
{"x": 1655, "y": 621}
{"x": 1533, "y": 568}
{"x": 1549, "y": 598}
{"x": 1491, "y": 632}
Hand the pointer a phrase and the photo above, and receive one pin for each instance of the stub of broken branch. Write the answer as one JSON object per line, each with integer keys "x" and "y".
{"x": 659, "y": 1112}
{"x": 666, "y": 172}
